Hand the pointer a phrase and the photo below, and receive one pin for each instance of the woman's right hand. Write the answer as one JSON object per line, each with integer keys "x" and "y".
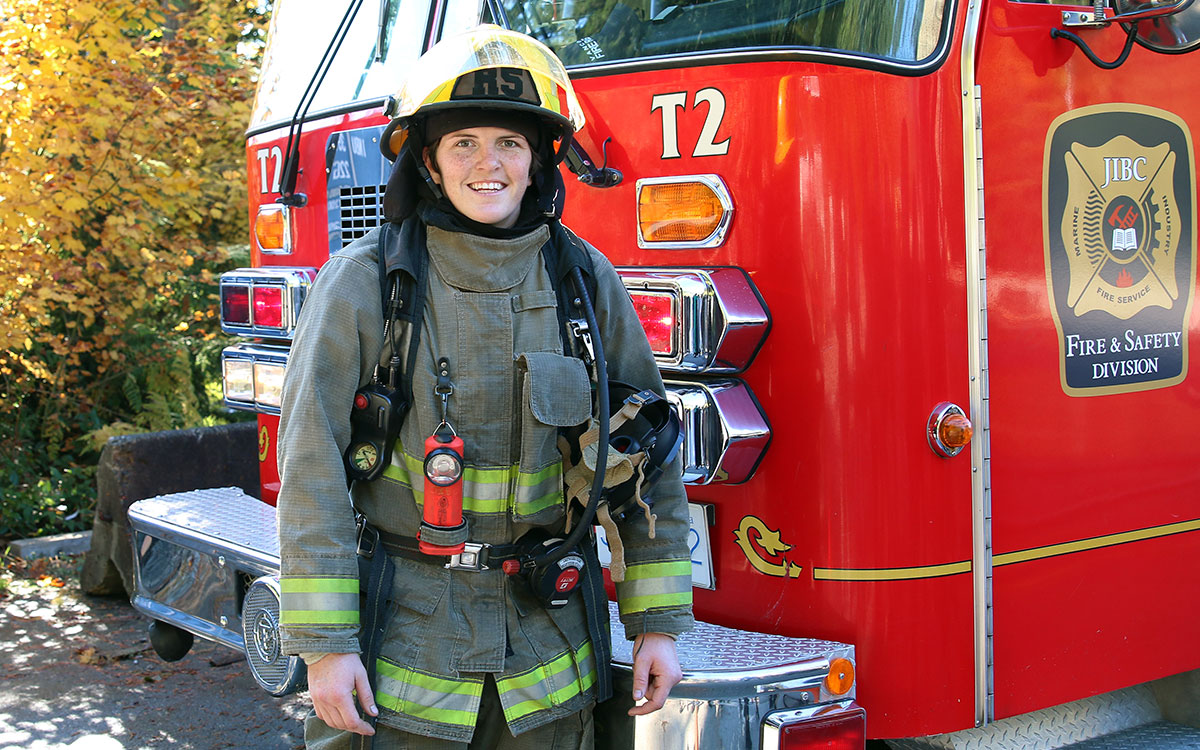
{"x": 332, "y": 682}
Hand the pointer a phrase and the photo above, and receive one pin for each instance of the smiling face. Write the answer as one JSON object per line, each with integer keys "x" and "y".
{"x": 484, "y": 172}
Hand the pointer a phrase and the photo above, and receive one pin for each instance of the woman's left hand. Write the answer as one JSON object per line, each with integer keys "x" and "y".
{"x": 655, "y": 671}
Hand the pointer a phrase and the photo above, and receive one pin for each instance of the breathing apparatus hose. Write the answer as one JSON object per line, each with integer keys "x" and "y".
{"x": 589, "y": 513}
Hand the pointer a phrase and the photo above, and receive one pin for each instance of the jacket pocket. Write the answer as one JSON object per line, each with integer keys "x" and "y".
{"x": 417, "y": 592}
{"x": 555, "y": 392}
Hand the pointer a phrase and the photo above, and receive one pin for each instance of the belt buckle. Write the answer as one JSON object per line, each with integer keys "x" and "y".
{"x": 473, "y": 558}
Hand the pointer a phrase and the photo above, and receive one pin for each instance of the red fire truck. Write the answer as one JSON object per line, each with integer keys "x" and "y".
{"x": 920, "y": 278}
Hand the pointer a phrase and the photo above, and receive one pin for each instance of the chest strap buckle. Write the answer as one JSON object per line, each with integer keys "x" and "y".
{"x": 474, "y": 557}
{"x": 580, "y": 330}
{"x": 368, "y": 538}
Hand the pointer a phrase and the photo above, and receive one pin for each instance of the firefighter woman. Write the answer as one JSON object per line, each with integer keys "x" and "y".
{"x": 456, "y": 309}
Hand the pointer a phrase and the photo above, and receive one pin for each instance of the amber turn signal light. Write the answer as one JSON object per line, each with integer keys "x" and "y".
{"x": 840, "y": 678}
{"x": 955, "y": 431}
{"x": 271, "y": 229}
{"x": 948, "y": 430}
{"x": 683, "y": 211}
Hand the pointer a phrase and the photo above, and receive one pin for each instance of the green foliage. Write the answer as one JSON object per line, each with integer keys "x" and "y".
{"x": 43, "y": 495}
{"x": 122, "y": 195}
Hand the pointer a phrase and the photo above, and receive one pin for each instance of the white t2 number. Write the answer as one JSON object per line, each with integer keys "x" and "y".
{"x": 265, "y": 155}
{"x": 706, "y": 144}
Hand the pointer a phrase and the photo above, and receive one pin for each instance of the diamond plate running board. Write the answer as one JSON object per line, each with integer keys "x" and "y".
{"x": 1053, "y": 728}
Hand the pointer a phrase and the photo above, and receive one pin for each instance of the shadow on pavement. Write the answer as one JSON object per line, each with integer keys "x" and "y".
{"x": 78, "y": 672}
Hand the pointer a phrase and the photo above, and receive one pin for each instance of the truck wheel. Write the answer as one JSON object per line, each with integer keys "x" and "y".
{"x": 170, "y": 643}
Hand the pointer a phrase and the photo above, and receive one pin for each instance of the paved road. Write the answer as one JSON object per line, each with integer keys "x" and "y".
{"x": 78, "y": 672}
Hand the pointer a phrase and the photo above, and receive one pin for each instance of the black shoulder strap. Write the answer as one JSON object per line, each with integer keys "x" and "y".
{"x": 562, "y": 253}
{"x": 404, "y": 262}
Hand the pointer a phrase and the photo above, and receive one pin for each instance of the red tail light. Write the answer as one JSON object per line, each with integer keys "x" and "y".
{"x": 235, "y": 304}
{"x": 268, "y": 306}
{"x": 841, "y": 726}
{"x": 657, "y": 313}
{"x": 263, "y": 302}
{"x": 710, "y": 320}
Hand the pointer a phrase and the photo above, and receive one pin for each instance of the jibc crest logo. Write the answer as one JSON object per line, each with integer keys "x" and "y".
{"x": 1120, "y": 243}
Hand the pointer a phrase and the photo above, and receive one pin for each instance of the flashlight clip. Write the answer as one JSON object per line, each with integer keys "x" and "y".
{"x": 444, "y": 389}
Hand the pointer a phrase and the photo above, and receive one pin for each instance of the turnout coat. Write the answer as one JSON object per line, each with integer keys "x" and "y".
{"x": 491, "y": 311}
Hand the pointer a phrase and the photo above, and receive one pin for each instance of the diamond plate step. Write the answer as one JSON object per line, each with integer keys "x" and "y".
{"x": 1159, "y": 735}
{"x": 1053, "y": 728}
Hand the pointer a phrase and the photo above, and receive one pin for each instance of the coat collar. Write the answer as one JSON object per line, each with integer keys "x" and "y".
{"x": 482, "y": 264}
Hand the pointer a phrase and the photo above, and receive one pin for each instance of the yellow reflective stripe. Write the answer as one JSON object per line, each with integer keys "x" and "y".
{"x": 533, "y": 478}
{"x": 529, "y": 507}
{"x": 547, "y": 685}
{"x": 318, "y": 617}
{"x": 629, "y": 605}
{"x": 536, "y": 674}
{"x": 441, "y": 699}
{"x": 318, "y": 601}
{"x": 558, "y": 697}
{"x": 318, "y": 585}
{"x": 487, "y": 491}
{"x": 654, "y": 586}
{"x": 640, "y": 571}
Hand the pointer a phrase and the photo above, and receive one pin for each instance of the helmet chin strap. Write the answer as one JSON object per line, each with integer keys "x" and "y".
{"x": 435, "y": 188}
{"x": 416, "y": 141}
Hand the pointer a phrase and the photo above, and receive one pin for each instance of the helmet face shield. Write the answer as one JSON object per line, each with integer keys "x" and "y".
{"x": 486, "y": 67}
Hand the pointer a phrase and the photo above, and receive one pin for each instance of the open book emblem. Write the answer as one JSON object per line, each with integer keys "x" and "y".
{"x": 1121, "y": 227}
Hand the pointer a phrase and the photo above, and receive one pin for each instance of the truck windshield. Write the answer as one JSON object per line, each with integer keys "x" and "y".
{"x": 586, "y": 32}
{"x": 386, "y": 35}
{"x": 368, "y": 65}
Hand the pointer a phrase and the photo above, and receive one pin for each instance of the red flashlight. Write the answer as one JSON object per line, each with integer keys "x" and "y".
{"x": 443, "y": 511}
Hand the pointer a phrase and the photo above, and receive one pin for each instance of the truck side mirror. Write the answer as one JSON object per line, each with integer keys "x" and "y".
{"x": 1168, "y": 26}
{"x": 1170, "y": 29}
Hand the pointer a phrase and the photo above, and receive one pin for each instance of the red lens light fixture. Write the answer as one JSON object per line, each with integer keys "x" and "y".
{"x": 268, "y": 306}
{"x": 656, "y": 311}
{"x": 235, "y": 304}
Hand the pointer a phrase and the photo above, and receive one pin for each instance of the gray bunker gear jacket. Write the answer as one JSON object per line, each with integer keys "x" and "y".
{"x": 491, "y": 311}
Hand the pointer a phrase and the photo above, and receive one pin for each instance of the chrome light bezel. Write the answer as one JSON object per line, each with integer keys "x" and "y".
{"x": 725, "y": 431}
{"x": 721, "y": 319}
{"x": 256, "y": 355}
{"x": 287, "y": 229}
{"x": 716, "y": 238}
{"x": 294, "y": 284}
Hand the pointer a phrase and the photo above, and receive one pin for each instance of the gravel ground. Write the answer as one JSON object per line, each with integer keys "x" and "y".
{"x": 78, "y": 672}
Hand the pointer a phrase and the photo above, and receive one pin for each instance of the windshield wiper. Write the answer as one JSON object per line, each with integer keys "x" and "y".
{"x": 291, "y": 161}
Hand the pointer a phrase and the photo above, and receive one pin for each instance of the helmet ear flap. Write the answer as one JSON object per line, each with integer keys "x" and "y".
{"x": 408, "y": 174}
{"x": 551, "y": 190}
{"x": 392, "y": 140}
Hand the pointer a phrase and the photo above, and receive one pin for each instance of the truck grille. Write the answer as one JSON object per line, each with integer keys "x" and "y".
{"x": 360, "y": 209}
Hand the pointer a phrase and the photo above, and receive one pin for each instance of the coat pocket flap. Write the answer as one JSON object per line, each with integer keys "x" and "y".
{"x": 557, "y": 387}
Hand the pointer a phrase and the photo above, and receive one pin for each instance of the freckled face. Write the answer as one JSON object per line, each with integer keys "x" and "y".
{"x": 484, "y": 172}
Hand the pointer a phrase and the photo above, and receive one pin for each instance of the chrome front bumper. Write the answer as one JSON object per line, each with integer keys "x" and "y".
{"x": 196, "y": 554}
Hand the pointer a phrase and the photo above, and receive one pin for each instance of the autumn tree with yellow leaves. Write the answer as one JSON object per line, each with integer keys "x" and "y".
{"x": 122, "y": 188}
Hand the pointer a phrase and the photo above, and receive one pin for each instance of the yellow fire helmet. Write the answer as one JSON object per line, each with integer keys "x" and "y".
{"x": 485, "y": 67}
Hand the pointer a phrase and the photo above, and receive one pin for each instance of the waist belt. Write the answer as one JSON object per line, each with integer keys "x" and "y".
{"x": 474, "y": 557}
